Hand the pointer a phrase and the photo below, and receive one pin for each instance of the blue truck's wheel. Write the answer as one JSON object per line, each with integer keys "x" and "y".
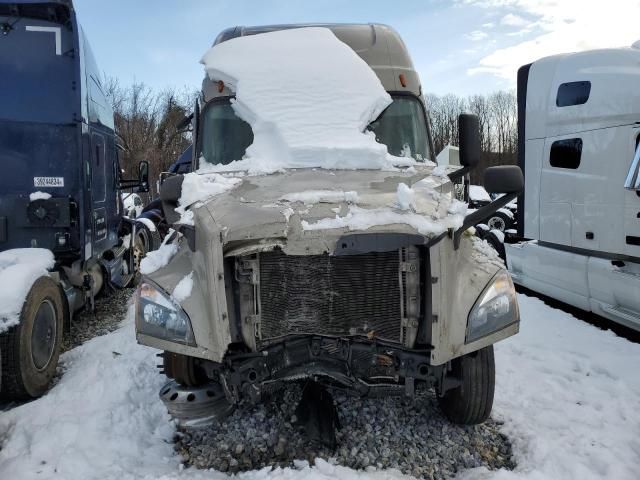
{"x": 30, "y": 350}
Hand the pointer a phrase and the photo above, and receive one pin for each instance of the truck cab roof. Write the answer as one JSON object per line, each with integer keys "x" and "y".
{"x": 582, "y": 91}
{"x": 380, "y": 46}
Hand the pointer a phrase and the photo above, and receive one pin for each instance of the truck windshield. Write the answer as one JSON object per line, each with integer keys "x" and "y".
{"x": 401, "y": 127}
{"x": 224, "y": 137}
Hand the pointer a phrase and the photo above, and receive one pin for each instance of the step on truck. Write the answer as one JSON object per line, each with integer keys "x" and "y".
{"x": 59, "y": 191}
{"x": 377, "y": 310}
{"x": 579, "y": 215}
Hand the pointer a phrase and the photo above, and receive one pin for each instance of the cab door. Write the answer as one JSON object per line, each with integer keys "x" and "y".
{"x": 632, "y": 201}
{"x": 99, "y": 193}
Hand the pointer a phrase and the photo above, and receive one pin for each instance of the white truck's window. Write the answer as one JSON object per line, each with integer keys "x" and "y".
{"x": 566, "y": 153}
{"x": 573, "y": 93}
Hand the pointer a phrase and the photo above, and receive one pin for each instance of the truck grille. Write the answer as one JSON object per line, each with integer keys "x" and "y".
{"x": 333, "y": 295}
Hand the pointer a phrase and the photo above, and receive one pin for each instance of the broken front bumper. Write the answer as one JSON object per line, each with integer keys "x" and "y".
{"x": 364, "y": 366}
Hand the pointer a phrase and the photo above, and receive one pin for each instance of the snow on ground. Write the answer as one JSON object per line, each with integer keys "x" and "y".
{"x": 19, "y": 268}
{"x": 567, "y": 392}
{"x": 308, "y": 111}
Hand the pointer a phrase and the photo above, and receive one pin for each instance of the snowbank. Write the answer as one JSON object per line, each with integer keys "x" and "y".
{"x": 569, "y": 396}
{"x": 19, "y": 268}
{"x": 103, "y": 419}
{"x": 308, "y": 98}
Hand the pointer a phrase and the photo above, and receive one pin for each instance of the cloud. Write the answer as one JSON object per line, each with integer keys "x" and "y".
{"x": 477, "y": 35}
{"x": 512, "y": 20}
{"x": 561, "y": 26}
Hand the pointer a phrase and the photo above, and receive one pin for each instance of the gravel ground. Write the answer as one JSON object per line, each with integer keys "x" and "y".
{"x": 110, "y": 309}
{"x": 410, "y": 435}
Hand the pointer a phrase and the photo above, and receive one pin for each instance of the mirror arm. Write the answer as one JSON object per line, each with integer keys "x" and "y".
{"x": 453, "y": 176}
{"x": 481, "y": 214}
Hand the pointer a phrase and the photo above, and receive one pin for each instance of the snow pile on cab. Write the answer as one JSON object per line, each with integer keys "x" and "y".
{"x": 19, "y": 268}
{"x": 157, "y": 259}
{"x": 421, "y": 206}
{"x": 198, "y": 187}
{"x": 308, "y": 98}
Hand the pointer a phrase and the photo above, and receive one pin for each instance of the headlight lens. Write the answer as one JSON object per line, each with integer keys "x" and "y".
{"x": 159, "y": 316}
{"x": 495, "y": 309}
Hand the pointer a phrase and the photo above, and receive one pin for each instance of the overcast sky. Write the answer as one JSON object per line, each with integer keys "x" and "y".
{"x": 458, "y": 46}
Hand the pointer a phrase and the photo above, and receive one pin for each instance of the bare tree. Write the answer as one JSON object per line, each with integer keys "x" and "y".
{"x": 146, "y": 122}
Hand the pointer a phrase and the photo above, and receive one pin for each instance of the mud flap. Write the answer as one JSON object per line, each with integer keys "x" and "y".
{"x": 317, "y": 413}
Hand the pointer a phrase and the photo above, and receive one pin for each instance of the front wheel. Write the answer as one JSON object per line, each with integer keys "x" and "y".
{"x": 470, "y": 402}
{"x": 499, "y": 221}
{"x": 30, "y": 350}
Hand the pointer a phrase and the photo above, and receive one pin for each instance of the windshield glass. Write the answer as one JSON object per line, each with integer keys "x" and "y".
{"x": 224, "y": 137}
{"x": 401, "y": 127}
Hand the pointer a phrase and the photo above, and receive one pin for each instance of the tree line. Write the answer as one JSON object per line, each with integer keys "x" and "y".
{"x": 147, "y": 123}
{"x": 497, "y": 114}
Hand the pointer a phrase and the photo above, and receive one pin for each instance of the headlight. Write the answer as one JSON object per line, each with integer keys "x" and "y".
{"x": 495, "y": 309}
{"x": 158, "y": 315}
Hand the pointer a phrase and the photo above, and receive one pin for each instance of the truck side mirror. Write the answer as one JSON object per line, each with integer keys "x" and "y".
{"x": 184, "y": 123}
{"x": 503, "y": 179}
{"x": 143, "y": 176}
{"x": 170, "y": 193}
{"x": 469, "y": 139}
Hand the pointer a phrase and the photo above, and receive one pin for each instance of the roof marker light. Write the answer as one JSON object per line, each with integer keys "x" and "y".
{"x": 220, "y": 86}
{"x": 403, "y": 80}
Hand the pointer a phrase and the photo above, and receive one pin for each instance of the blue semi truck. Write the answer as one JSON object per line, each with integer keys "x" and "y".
{"x": 61, "y": 183}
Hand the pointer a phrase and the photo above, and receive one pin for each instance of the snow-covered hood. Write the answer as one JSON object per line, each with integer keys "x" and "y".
{"x": 306, "y": 211}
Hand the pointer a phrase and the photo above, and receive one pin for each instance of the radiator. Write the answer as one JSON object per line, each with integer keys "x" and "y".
{"x": 363, "y": 294}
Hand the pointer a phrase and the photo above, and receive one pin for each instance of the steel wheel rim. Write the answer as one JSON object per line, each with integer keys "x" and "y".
{"x": 43, "y": 334}
{"x": 496, "y": 223}
{"x": 139, "y": 249}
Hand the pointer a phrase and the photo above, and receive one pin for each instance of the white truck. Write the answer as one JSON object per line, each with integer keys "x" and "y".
{"x": 579, "y": 216}
{"x": 283, "y": 288}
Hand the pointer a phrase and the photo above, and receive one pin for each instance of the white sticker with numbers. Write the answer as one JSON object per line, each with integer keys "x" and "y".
{"x": 48, "y": 181}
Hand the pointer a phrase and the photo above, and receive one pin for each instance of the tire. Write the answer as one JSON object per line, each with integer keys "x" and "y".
{"x": 499, "y": 221}
{"x": 183, "y": 369}
{"x": 471, "y": 402}
{"x": 30, "y": 350}
{"x": 144, "y": 242}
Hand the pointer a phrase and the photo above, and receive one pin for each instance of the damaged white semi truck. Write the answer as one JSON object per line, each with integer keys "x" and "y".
{"x": 351, "y": 262}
